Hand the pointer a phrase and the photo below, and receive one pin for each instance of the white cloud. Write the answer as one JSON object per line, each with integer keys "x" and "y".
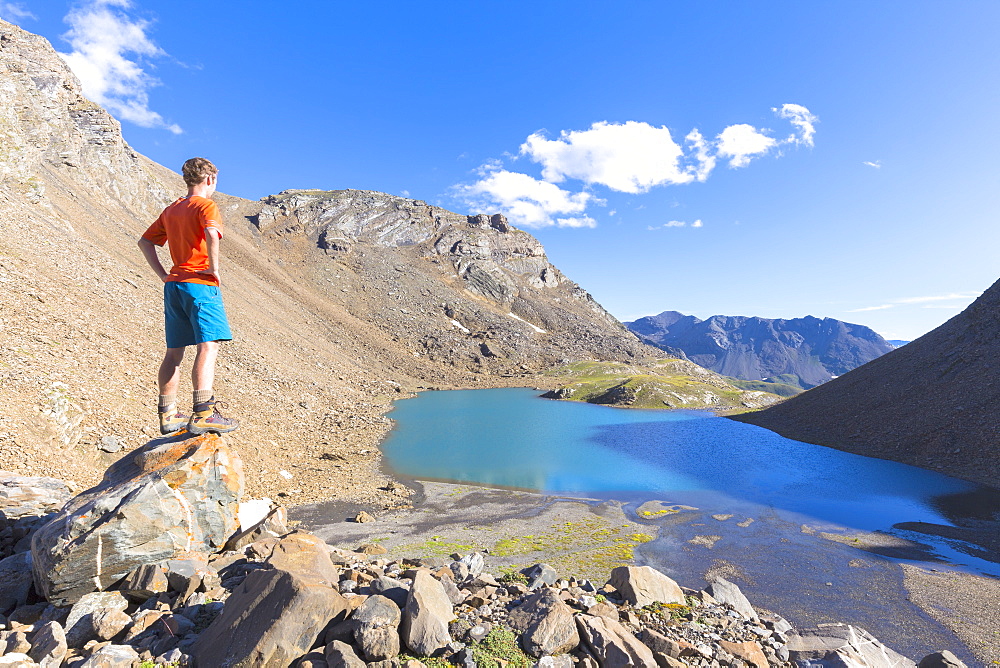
{"x": 803, "y": 120}
{"x": 631, "y": 157}
{"x": 877, "y": 164}
{"x": 870, "y": 308}
{"x": 107, "y": 47}
{"x": 13, "y": 11}
{"x": 743, "y": 142}
{"x": 526, "y": 201}
{"x": 965, "y": 298}
{"x": 675, "y": 223}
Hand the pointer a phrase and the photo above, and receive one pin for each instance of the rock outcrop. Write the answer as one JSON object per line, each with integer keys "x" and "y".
{"x": 931, "y": 403}
{"x": 165, "y": 499}
{"x": 799, "y": 351}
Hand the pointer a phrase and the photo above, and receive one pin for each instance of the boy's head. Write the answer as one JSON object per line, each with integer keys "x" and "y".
{"x": 196, "y": 170}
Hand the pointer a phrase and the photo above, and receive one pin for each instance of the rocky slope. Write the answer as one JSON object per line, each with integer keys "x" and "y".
{"x": 340, "y": 300}
{"x": 799, "y": 351}
{"x": 931, "y": 403}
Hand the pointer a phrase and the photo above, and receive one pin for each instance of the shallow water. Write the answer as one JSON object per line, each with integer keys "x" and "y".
{"x": 513, "y": 438}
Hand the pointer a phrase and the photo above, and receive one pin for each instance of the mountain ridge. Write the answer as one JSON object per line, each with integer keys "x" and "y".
{"x": 930, "y": 403}
{"x": 811, "y": 349}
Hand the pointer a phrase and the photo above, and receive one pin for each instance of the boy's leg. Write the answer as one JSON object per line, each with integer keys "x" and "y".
{"x": 203, "y": 371}
{"x": 168, "y": 379}
{"x": 205, "y": 417}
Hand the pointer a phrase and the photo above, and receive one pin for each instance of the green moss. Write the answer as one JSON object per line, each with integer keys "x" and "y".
{"x": 500, "y": 645}
{"x": 430, "y": 662}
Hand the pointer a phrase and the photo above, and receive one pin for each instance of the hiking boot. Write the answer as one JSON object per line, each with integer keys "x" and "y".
{"x": 172, "y": 422}
{"x": 206, "y": 417}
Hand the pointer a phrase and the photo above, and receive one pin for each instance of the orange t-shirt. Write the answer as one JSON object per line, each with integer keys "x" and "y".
{"x": 182, "y": 225}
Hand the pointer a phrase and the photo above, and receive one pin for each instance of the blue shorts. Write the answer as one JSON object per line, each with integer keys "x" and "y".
{"x": 193, "y": 313}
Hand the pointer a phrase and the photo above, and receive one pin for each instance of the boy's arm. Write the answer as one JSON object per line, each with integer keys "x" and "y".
{"x": 212, "y": 238}
{"x": 149, "y": 252}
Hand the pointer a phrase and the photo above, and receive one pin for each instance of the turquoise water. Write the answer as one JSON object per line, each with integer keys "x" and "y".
{"x": 513, "y": 438}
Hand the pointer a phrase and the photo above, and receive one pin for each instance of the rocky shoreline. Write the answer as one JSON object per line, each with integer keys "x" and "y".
{"x": 164, "y": 563}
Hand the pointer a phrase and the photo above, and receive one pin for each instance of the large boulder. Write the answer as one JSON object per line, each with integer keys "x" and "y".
{"x": 612, "y": 644}
{"x": 167, "y": 498}
{"x": 546, "y": 624}
{"x": 15, "y": 581}
{"x": 644, "y": 585}
{"x": 376, "y": 628}
{"x": 843, "y": 644}
{"x": 25, "y": 496}
{"x": 275, "y": 615}
{"x": 724, "y": 591}
{"x": 426, "y": 615}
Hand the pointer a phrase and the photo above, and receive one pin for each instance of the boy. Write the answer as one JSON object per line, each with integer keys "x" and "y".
{"x": 192, "y": 305}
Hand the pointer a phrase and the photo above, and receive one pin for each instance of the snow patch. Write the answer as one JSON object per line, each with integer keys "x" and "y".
{"x": 460, "y": 326}
{"x": 534, "y": 327}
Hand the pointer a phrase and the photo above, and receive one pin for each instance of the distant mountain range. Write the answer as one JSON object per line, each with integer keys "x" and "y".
{"x": 800, "y": 352}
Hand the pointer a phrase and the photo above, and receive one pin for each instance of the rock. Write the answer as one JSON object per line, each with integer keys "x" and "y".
{"x": 540, "y": 575}
{"x": 307, "y": 556}
{"x": 392, "y": 589}
{"x": 426, "y": 615}
{"x": 943, "y": 659}
{"x": 269, "y": 620}
{"x": 749, "y": 651}
{"x": 455, "y": 595}
{"x": 376, "y": 625}
{"x": 25, "y": 496}
{"x": 364, "y": 517}
{"x": 80, "y": 623}
{"x": 273, "y": 525}
{"x": 724, "y": 591}
{"x": 476, "y": 562}
{"x": 844, "y": 644}
{"x": 341, "y": 655}
{"x": 48, "y": 645}
{"x": 112, "y": 656}
{"x": 16, "y": 582}
{"x": 144, "y": 582}
{"x": 546, "y": 624}
{"x": 186, "y": 571}
{"x": 659, "y": 644}
{"x": 312, "y": 660}
{"x": 16, "y": 660}
{"x": 14, "y": 642}
{"x": 612, "y": 644}
{"x": 604, "y": 609}
{"x": 643, "y": 585}
{"x": 109, "y": 444}
{"x": 561, "y": 661}
{"x": 167, "y": 498}
{"x": 109, "y": 623}
{"x": 372, "y": 548}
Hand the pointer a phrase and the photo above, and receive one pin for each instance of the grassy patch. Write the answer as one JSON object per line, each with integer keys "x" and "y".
{"x": 500, "y": 648}
{"x": 667, "y": 383}
{"x": 781, "y": 389}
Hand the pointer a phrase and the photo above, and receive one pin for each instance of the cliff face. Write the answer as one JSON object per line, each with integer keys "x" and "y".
{"x": 340, "y": 301}
{"x": 813, "y": 350}
{"x": 932, "y": 403}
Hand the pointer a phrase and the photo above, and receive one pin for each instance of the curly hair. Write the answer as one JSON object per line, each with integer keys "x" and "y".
{"x": 197, "y": 170}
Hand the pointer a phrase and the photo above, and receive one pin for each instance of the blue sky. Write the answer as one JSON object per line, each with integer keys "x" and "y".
{"x": 844, "y": 162}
